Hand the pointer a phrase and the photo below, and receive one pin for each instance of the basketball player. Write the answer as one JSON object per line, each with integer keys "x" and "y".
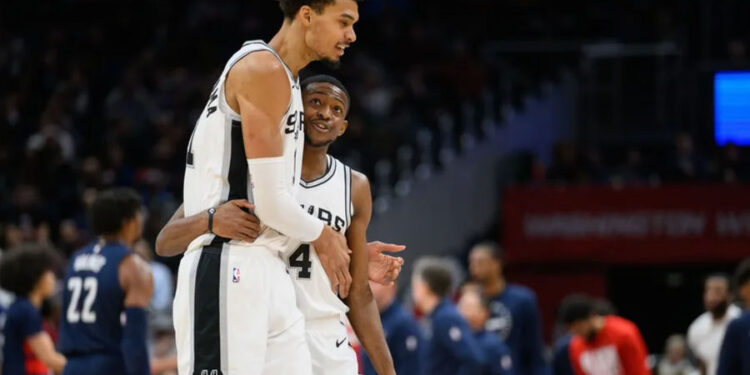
{"x": 28, "y": 271}
{"x": 234, "y": 309}
{"x": 105, "y": 280}
{"x": 334, "y": 194}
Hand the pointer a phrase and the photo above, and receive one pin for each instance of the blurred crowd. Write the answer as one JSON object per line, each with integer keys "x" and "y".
{"x": 638, "y": 164}
{"x": 101, "y": 94}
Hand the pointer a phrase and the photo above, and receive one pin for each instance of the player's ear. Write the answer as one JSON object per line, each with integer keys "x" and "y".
{"x": 344, "y": 126}
{"x": 304, "y": 15}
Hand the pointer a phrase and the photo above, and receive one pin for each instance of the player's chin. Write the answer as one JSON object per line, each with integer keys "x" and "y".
{"x": 332, "y": 62}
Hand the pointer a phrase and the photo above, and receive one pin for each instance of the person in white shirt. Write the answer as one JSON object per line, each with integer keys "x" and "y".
{"x": 707, "y": 331}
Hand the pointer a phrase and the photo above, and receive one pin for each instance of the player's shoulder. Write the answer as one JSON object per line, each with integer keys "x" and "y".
{"x": 622, "y": 326}
{"x": 521, "y": 292}
{"x": 258, "y": 64}
{"x": 741, "y": 322}
{"x": 21, "y": 307}
{"x": 359, "y": 180}
{"x": 135, "y": 270}
{"x": 701, "y": 323}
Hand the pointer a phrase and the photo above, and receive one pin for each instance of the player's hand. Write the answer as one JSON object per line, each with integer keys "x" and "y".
{"x": 384, "y": 269}
{"x": 334, "y": 256}
{"x": 231, "y": 221}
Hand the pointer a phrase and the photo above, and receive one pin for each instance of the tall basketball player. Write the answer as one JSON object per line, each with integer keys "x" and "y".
{"x": 336, "y": 195}
{"x": 234, "y": 310}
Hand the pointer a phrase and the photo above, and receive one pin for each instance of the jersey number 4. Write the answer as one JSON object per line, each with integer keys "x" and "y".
{"x": 301, "y": 259}
{"x": 76, "y": 285}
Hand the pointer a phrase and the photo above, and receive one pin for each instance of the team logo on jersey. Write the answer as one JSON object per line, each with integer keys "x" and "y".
{"x": 235, "y": 274}
{"x": 501, "y": 320}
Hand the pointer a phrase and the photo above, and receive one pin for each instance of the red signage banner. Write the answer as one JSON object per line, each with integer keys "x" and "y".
{"x": 668, "y": 224}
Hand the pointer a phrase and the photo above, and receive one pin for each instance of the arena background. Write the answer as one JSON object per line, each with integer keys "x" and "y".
{"x": 581, "y": 135}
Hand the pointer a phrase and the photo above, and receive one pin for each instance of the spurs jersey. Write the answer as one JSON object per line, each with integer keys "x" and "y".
{"x": 327, "y": 198}
{"x": 216, "y": 169}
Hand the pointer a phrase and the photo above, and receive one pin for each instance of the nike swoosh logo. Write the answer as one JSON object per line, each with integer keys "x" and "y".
{"x": 338, "y": 343}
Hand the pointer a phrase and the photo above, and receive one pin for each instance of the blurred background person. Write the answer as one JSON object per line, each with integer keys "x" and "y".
{"x": 402, "y": 333}
{"x": 706, "y": 332}
{"x": 476, "y": 310}
{"x": 602, "y": 344}
{"x": 29, "y": 273}
{"x": 452, "y": 349}
{"x": 675, "y": 360}
{"x": 734, "y": 358}
{"x": 514, "y": 314}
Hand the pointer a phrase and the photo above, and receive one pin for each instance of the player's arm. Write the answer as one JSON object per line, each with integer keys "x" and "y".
{"x": 363, "y": 312}
{"x": 633, "y": 354}
{"x": 230, "y": 221}
{"x": 138, "y": 284}
{"x": 534, "y": 342}
{"x": 257, "y": 87}
{"x": 44, "y": 349}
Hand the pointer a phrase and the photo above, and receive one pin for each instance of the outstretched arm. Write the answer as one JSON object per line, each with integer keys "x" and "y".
{"x": 363, "y": 313}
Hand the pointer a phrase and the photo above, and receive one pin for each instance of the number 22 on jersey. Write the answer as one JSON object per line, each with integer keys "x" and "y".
{"x": 80, "y": 304}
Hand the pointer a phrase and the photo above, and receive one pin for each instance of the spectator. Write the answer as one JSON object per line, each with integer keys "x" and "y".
{"x": 734, "y": 358}
{"x": 452, "y": 349}
{"x": 476, "y": 310}
{"x": 28, "y": 273}
{"x": 514, "y": 314}
{"x": 674, "y": 361}
{"x": 402, "y": 333}
{"x": 686, "y": 164}
{"x": 707, "y": 331}
{"x": 602, "y": 344}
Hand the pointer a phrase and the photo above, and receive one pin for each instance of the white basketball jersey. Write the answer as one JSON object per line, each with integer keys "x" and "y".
{"x": 216, "y": 169}
{"x": 327, "y": 198}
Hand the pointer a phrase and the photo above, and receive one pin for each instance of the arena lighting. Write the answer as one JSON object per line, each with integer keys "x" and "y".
{"x": 732, "y": 107}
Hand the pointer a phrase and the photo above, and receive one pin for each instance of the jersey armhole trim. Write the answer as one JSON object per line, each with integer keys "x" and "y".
{"x": 234, "y": 60}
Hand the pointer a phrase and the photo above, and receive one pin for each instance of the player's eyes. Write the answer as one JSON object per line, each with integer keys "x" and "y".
{"x": 344, "y": 23}
{"x": 315, "y": 101}
{"x": 337, "y": 109}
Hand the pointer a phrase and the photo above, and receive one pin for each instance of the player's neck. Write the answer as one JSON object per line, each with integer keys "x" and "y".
{"x": 115, "y": 238}
{"x": 314, "y": 162}
{"x": 494, "y": 286}
{"x": 289, "y": 43}
{"x": 35, "y": 298}
{"x": 429, "y": 304}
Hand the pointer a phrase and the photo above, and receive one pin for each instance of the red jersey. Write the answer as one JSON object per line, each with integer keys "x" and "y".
{"x": 618, "y": 349}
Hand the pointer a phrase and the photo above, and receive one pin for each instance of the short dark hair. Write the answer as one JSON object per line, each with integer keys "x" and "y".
{"x": 742, "y": 274}
{"x": 291, "y": 7}
{"x": 325, "y": 78}
{"x": 574, "y": 308}
{"x": 112, "y": 208}
{"x": 496, "y": 251}
{"x": 22, "y": 267}
{"x": 438, "y": 278}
